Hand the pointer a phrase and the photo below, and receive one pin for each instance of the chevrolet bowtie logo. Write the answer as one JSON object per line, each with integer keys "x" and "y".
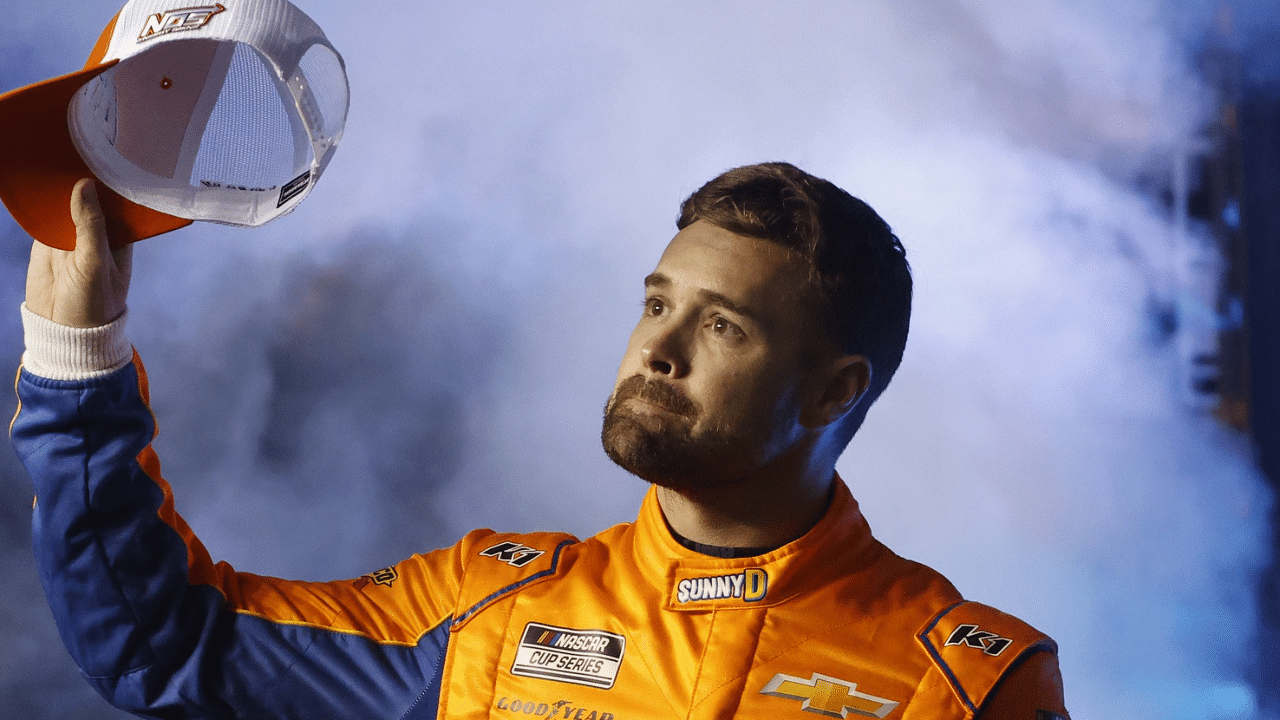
{"x": 828, "y": 696}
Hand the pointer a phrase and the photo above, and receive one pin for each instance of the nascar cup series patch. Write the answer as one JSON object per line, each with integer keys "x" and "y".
{"x": 582, "y": 657}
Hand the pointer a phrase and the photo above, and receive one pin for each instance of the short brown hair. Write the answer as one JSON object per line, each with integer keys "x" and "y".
{"x": 857, "y": 267}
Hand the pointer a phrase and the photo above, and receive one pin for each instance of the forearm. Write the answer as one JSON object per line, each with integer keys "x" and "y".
{"x": 150, "y": 619}
{"x": 116, "y": 575}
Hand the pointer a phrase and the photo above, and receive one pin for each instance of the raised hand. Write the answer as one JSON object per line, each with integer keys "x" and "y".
{"x": 87, "y": 286}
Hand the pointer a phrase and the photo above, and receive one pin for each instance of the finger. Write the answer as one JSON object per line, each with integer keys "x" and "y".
{"x": 91, "y": 224}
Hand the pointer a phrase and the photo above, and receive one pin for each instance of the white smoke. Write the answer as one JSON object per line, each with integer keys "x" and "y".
{"x": 425, "y": 345}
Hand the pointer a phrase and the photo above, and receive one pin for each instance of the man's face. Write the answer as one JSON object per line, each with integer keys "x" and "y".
{"x": 713, "y": 379}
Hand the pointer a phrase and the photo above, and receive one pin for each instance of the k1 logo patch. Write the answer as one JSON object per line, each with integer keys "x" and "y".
{"x": 581, "y": 657}
{"x": 971, "y": 636}
{"x": 513, "y": 554}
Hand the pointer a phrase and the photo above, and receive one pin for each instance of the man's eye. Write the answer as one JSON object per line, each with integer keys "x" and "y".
{"x": 654, "y": 307}
{"x": 722, "y": 326}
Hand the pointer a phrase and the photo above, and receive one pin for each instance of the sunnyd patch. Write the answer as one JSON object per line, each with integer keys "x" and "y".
{"x": 582, "y": 657}
{"x": 748, "y": 586}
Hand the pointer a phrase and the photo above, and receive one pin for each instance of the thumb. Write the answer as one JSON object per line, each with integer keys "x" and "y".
{"x": 93, "y": 285}
{"x": 91, "y": 224}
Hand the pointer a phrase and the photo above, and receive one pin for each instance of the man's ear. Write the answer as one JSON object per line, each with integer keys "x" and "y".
{"x": 844, "y": 384}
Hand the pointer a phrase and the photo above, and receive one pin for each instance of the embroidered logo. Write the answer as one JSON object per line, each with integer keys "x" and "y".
{"x": 825, "y": 695}
{"x": 750, "y": 585}
{"x": 187, "y": 18}
{"x": 582, "y": 657}
{"x": 565, "y": 709}
{"x": 294, "y": 188}
{"x": 386, "y": 576}
{"x": 970, "y": 635}
{"x": 513, "y": 554}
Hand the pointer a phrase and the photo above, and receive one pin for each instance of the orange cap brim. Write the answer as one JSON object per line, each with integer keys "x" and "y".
{"x": 39, "y": 166}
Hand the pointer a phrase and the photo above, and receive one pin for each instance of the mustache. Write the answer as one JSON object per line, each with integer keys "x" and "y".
{"x": 657, "y": 393}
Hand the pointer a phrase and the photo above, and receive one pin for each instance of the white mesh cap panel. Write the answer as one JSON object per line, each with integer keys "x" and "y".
{"x": 249, "y": 140}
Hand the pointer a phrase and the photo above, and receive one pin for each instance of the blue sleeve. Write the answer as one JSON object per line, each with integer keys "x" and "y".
{"x": 157, "y": 627}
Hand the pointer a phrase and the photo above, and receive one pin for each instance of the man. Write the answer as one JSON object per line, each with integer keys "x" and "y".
{"x": 749, "y": 586}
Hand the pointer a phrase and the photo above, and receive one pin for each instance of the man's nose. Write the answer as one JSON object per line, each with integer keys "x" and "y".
{"x": 666, "y": 352}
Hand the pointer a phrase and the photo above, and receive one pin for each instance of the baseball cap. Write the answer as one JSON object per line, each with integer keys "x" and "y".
{"x": 227, "y": 112}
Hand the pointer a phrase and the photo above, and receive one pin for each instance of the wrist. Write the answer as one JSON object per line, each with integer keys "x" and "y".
{"x": 62, "y": 352}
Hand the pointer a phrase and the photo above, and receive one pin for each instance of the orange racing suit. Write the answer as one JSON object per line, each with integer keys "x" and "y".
{"x": 624, "y": 625}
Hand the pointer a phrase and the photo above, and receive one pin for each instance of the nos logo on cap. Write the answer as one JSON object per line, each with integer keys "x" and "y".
{"x": 187, "y": 18}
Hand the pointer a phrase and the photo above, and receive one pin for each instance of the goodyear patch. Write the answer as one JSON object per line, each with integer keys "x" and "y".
{"x": 581, "y": 657}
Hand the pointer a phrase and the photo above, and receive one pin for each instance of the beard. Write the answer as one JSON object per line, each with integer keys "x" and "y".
{"x": 662, "y": 449}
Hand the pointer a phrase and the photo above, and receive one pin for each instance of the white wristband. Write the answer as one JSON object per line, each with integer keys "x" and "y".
{"x": 62, "y": 352}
